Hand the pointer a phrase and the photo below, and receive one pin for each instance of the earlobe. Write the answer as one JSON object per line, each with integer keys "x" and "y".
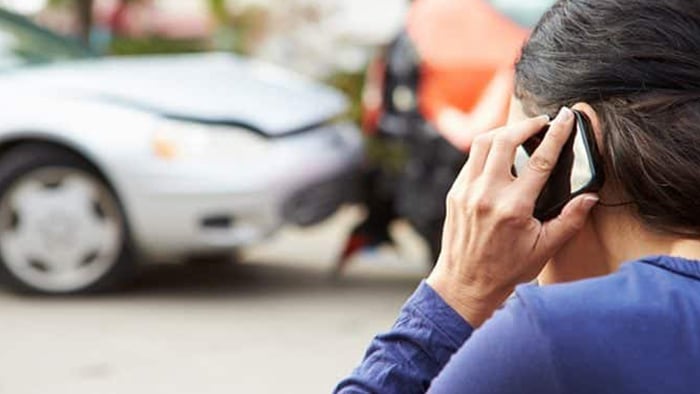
{"x": 595, "y": 121}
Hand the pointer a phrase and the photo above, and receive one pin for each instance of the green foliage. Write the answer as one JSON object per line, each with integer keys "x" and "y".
{"x": 351, "y": 84}
{"x": 391, "y": 155}
{"x": 154, "y": 45}
{"x": 239, "y": 30}
{"x": 218, "y": 9}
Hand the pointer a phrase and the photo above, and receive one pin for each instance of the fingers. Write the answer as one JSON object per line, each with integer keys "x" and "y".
{"x": 495, "y": 150}
{"x": 544, "y": 159}
{"x": 572, "y": 219}
{"x": 477, "y": 158}
{"x": 507, "y": 140}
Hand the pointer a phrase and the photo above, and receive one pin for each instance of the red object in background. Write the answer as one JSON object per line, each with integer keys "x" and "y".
{"x": 147, "y": 18}
{"x": 353, "y": 245}
{"x": 466, "y": 51}
{"x": 117, "y": 20}
{"x": 462, "y": 45}
{"x": 372, "y": 95}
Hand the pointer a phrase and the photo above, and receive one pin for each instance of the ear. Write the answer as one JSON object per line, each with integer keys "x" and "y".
{"x": 595, "y": 121}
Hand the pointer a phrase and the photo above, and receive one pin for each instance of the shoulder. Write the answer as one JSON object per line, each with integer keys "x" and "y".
{"x": 637, "y": 287}
{"x": 629, "y": 309}
{"x": 602, "y": 332}
{"x": 589, "y": 336}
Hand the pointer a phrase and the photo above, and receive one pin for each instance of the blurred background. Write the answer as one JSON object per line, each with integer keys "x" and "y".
{"x": 229, "y": 195}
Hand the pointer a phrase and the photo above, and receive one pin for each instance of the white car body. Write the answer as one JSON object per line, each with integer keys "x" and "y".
{"x": 252, "y": 137}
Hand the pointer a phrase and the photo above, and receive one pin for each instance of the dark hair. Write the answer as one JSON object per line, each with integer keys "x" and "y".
{"x": 637, "y": 63}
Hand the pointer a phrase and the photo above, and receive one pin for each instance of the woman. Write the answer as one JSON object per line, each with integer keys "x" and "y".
{"x": 619, "y": 311}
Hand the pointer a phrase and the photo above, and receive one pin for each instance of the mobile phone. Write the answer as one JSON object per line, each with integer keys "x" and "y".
{"x": 578, "y": 170}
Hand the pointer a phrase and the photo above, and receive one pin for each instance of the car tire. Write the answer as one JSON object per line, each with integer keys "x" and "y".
{"x": 62, "y": 227}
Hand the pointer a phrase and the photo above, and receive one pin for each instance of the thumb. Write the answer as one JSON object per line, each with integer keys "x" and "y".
{"x": 571, "y": 220}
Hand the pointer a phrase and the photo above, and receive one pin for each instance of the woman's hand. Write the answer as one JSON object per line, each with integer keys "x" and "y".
{"x": 491, "y": 241}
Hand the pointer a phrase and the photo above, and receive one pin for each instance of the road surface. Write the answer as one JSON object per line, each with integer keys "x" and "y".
{"x": 273, "y": 323}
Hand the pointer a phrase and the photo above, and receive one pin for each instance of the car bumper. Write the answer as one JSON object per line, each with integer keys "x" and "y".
{"x": 199, "y": 207}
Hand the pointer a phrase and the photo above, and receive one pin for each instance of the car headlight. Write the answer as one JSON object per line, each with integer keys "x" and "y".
{"x": 189, "y": 140}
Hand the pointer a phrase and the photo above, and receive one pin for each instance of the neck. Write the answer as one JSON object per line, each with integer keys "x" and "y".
{"x": 610, "y": 239}
{"x": 628, "y": 239}
{"x": 686, "y": 248}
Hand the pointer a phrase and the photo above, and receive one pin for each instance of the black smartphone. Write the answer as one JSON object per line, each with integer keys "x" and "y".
{"x": 579, "y": 168}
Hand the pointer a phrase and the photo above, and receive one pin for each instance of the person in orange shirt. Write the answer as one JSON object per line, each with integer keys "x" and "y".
{"x": 443, "y": 81}
{"x": 467, "y": 51}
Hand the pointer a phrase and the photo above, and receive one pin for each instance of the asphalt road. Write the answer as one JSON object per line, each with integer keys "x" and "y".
{"x": 276, "y": 322}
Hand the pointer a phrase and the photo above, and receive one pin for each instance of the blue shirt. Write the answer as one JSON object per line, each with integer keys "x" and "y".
{"x": 635, "y": 331}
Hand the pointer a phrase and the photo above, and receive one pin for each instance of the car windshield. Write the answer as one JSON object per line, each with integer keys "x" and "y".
{"x": 23, "y": 43}
{"x": 524, "y": 12}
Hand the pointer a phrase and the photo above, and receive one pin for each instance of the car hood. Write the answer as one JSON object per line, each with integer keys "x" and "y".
{"x": 211, "y": 88}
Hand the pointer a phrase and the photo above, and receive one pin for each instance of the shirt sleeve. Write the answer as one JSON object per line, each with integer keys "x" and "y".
{"x": 408, "y": 357}
{"x": 508, "y": 354}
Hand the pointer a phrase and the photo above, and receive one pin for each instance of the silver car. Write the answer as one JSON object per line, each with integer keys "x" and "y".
{"x": 108, "y": 161}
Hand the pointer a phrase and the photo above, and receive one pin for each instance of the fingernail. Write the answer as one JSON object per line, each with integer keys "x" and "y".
{"x": 564, "y": 115}
{"x": 590, "y": 201}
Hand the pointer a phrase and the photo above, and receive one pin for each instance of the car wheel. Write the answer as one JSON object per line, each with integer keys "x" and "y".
{"x": 62, "y": 229}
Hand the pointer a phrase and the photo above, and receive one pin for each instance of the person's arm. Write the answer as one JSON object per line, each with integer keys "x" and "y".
{"x": 460, "y": 127}
{"x": 407, "y": 358}
{"x": 510, "y": 353}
